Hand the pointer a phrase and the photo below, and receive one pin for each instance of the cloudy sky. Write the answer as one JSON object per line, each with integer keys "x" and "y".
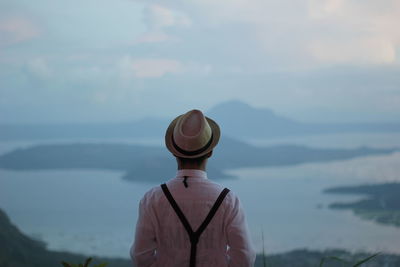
{"x": 121, "y": 60}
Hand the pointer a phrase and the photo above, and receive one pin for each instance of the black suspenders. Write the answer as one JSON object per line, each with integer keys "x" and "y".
{"x": 194, "y": 236}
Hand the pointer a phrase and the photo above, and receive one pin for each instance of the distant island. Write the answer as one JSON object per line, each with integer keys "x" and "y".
{"x": 152, "y": 163}
{"x": 19, "y": 250}
{"x": 237, "y": 120}
{"x": 382, "y": 202}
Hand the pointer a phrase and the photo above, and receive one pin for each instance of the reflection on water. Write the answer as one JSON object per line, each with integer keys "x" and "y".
{"x": 96, "y": 210}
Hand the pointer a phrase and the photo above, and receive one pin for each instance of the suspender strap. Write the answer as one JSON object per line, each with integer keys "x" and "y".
{"x": 194, "y": 236}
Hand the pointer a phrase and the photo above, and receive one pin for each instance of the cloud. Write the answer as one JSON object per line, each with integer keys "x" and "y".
{"x": 158, "y": 19}
{"x": 355, "y": 50}
{"x": 296, "y": 33}
{"x": 155, "y": 37}
{"x": 148, "y": 68}
{"x": 274, "y": 53}
{"x": 39, "y": 68}
{"x": 360, "y": 31}
{"x": 16, "y": 30}
{"x": 319, "y": 9}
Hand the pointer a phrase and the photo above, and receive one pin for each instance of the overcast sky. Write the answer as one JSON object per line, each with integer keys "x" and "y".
{"x": 121, "y": 60}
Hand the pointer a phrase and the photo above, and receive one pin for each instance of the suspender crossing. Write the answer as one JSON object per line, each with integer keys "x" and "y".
{"x": 194, "y": 236}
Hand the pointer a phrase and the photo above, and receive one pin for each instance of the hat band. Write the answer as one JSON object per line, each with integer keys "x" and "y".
{"x": 192, "y": 153}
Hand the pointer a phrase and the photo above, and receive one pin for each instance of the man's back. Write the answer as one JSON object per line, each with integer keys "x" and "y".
{"x": 159, "y": 228}
{"x": 164, "y": 236}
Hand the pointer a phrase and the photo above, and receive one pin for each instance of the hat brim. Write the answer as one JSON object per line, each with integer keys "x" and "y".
{"x": 216, "y": 133}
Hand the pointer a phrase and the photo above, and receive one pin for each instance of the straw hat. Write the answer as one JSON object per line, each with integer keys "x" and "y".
{"x": 192, "y": 135}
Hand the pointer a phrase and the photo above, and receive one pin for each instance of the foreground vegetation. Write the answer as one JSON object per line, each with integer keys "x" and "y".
{"x": 322, "y": 263}
{"x": 19, "y": 250}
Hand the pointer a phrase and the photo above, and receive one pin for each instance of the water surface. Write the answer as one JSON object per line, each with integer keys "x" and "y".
{"x": 94, "y": 212}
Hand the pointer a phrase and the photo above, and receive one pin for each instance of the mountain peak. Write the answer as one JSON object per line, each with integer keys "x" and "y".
{"x": 241, "y": 119}
{"x": 234, "y": 108}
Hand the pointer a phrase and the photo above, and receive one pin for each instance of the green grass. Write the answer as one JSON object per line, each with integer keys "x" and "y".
{"x": 86, "y": 264}
{"x": 358, "y": 263}
{"x": 324, "y": 259}
{"x": 321, "y": 264}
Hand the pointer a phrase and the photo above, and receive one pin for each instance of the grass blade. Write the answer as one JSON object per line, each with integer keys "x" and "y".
{"x": 263, "y": 249}
{"x": 65, "y": 264}
{"x": 321, "y": 263}
{"x": 365, "y": 260}
{"x": 87, "y": 262}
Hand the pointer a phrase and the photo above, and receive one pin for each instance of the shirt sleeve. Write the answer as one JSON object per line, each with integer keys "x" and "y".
{"x": 143, "y": 249}
{"x": 240, "y": 252}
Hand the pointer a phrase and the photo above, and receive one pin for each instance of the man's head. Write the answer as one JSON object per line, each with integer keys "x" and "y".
{"x": 191, "y": 138}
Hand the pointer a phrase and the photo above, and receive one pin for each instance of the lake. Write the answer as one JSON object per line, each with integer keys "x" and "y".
{"x": 94, "y": 212}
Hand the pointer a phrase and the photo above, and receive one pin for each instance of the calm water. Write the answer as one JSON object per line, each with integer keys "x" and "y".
{"x": 343, "y": 140}
{"x": 94, "y": 212}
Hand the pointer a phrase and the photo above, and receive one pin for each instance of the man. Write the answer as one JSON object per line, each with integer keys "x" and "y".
{"x": 191, "y": 221}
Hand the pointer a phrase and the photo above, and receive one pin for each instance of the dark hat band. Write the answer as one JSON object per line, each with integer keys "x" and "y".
{"x": 195, "y": 152}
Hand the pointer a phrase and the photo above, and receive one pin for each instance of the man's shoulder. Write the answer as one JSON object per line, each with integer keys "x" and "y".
{"x": 230, "y": 199}
{"x": 151, "y": 195}
{"x": 155, "y": 193}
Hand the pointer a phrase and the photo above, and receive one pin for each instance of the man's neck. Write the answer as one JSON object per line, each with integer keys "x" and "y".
{"x": 201, "y": 168}
{"x": 194, "y": 165}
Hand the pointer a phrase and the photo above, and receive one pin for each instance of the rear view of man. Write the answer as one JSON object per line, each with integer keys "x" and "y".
{"x": 191, "y": 221}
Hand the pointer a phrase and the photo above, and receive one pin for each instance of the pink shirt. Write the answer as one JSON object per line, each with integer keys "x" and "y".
{"x": 162, "y": 241}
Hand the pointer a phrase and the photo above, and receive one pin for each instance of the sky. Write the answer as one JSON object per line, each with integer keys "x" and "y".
{"x": 91, "y": 61}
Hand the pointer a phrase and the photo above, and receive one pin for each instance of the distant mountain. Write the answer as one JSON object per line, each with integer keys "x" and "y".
{"x": 237, "y": 119}
{"x": 240, "y": 111}
{"x": 155, "y": 164}
{"x": 240, "y": 120}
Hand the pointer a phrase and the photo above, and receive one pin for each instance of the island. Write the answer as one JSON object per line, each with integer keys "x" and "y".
{"x": 154, "y": 163}
{"x": 381, "y": 204}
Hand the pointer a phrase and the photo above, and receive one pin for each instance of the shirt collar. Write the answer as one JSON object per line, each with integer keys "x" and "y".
{"x": 191, "y": 173}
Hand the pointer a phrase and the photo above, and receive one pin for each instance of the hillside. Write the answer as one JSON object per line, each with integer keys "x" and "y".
{"x": 19, "y": 250}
